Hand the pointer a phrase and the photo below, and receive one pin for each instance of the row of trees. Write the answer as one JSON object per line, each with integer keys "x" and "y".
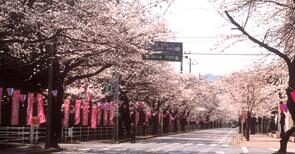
{"x": 87, "y": 40}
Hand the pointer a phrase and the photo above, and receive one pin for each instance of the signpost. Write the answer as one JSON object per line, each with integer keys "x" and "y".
{"x": 162, "y": 57}
{"x": 170, "y": 48}
{"x": 165, "y": 51}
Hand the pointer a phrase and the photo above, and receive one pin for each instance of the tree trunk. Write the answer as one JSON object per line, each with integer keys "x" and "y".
{"x": 284, "y": 141}
{"x": 291, "y": 108}
{"x": 56, "y": 124}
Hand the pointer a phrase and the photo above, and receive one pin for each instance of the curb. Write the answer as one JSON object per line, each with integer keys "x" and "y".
{"x": 291, "y": 139}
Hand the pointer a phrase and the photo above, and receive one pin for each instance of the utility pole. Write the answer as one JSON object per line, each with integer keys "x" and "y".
{"x": 116, "y": 99}
{"x": 248, "y": 117}
{"x": 190, "y": 65}
{"x": 181, "y": 65}
{"x": 52, "y": 51}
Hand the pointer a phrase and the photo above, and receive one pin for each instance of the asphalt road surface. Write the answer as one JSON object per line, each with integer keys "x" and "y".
{"x": 211, "y": 141}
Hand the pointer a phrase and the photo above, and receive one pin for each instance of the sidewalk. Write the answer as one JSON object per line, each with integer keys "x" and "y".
{"x": 262, "y": 141}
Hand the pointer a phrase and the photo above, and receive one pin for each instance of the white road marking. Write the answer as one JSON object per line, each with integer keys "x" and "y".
{"x": 225, "y": 137}
{"x": 212, "y": 145}
{"x": 225, "y": 145}
{"x": 245, "y": 150}
{"x": 273, "y": 149}
{"x": 86, "y": 149}
{"x": 219, "y": 152}
{"x": 200, "y": 144}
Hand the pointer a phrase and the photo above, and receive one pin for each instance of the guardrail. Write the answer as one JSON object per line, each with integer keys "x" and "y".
{"x": 74, "y": 134}
{"x": 22, "y": 134}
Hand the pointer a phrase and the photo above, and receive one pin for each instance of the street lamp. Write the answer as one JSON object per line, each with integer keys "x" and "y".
{"x": 190, "y": 63}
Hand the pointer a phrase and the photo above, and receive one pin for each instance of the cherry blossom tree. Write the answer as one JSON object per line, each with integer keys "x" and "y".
{"x": 274, "y": 31}
{"x": 85, "y": 37}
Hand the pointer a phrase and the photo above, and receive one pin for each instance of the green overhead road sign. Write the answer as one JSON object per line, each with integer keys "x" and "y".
{"x": 166, "y": 51}
{"x": 174, "y": 48}
{"x": 162, "y": 57}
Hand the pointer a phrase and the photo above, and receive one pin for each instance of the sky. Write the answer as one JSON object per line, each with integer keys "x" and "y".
{"x": 202, "y": 29}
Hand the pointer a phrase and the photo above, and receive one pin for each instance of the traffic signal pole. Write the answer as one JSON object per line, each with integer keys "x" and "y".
{"x": 116, "y": 99}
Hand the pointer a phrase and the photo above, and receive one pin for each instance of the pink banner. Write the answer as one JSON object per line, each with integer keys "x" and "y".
{"x": 293, "y": 95}
{"x": 147, "y": 117}
{"x": 1, "y": 93}
{"x": 9, "y": 91}
{"x": 15, "y": 108}
{"x": 40, "y": 108}
{"x": 93, "y": 116}
{"x": 30, "y": 108}
{"x": 77, "y": 112}
{"x": 159, "y": 117}
{"x": 105, "y": 114}
{"x": 85, "y": 111}
{"x": 98, "y": 114}
{"x": 170, "y": 119}
{"x": 112, "y": 114}
{"x": 22, "y": 98}
{"x": 66, "y": 113}
{"x": 89, "y": 97}
{"x": 283, "y": 107}
{"x": 136, "y": 118}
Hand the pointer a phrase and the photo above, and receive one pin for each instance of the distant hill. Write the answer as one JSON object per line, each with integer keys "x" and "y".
{"x": 211, "y": 77}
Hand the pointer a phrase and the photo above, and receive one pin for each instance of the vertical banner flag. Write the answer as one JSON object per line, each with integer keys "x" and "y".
{"x": 85, "y": 110}
{"x": 112, "y": 114}
{"x": 159, "y": 117}
{"x": 15, "y": 108}
{"x": 1, "y": 93}
{"x": 283, "y": 107}
{"x": 9, "y": 91}
{"x": 293, "y": 95}
{"x": 77, "y": 111}
{"x": 147, "y": 117}
{"x": 40, "y": 108}
{"x": 136, "y": 118}
{"x": 66, "y": 113}
{"x": 89, "y": 97}
{"x": 30, "y": 108}
{"x": 170, "y": 119}
{"x": 93, "y": 116}
{"x": 98, "y": 113}
{"x": 22, "y": 98}
{"x": 54, "y": 93}
{"x": 105, "y": 114}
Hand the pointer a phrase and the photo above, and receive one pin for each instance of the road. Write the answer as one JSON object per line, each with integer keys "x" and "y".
{"x": 211, "y": 141}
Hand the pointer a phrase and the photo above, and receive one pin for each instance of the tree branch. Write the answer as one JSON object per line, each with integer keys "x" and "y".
{"x": 58, "y": 32}
{"x": 73, "y": 79}
{"x": 260, "y": 43}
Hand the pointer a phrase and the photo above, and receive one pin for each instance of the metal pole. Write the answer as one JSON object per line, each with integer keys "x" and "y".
{"x": 181, "y": 65}
{"x": 52, "y": 50}
{"x": 190, "y": 65}
{"x": 116, "y": 99}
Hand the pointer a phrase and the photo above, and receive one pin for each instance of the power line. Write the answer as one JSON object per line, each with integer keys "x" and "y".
{"x": 228, "y": 54}
{"x": 169, "y": 5}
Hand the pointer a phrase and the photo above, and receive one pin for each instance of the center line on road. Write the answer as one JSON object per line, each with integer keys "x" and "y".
{"x": 219, "y": 152}
{"x": 212, "y": 145}
{"x": 225, "y": 137}
{"x": 200, "y": 144}
{"x": 225, "y": 145}
{"x": 245, "y": 150}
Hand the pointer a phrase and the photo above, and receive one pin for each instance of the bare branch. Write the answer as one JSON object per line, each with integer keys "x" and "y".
{"x": 260, "y": 43}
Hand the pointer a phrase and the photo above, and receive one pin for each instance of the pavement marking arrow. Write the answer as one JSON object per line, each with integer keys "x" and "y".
{"x": 245, "y": 150}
